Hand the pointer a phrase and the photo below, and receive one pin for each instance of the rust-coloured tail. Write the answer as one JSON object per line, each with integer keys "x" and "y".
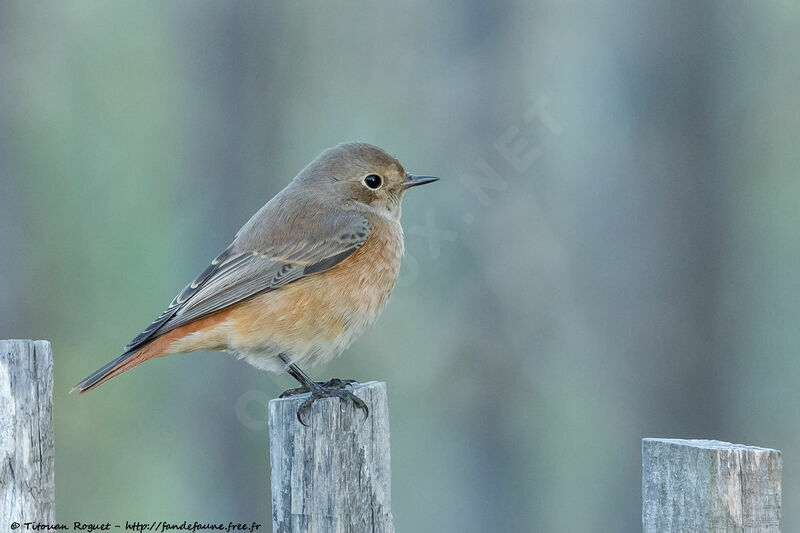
{"x": 119, "y": 365}
{"x": 155, "y": 347}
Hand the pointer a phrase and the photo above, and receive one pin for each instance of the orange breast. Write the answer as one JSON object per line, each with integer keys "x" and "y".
{"x": 314, "y": 318}
{"x": 322, "y": 314}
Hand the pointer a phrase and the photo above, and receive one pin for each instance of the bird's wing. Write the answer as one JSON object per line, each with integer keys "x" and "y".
{"x": 236, "y": 275}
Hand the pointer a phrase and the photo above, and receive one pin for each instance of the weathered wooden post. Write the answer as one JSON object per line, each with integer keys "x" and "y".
{"x": 333, "y": 475}
{"x": 27, "y": 490}
{"x": 708, "y": 485}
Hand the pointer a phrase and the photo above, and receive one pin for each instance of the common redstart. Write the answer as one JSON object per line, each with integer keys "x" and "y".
{"x": 302, "y": 279}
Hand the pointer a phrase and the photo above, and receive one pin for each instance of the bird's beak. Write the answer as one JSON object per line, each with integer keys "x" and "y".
{"x": 413, "y": 181}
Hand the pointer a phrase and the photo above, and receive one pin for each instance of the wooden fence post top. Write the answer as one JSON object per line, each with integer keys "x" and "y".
{"x": 707, "y": 444}
{"x": 333, "y": 475}
{"x": 710, "y": 485}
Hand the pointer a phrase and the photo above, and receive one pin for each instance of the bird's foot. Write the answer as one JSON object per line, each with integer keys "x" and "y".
{"x": 294, "y": 392}
{"x": 333, "y": 388}
{"x": 334, "y": 382}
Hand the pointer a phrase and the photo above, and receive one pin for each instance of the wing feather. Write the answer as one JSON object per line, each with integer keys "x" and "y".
{"x": 234, "y": 276}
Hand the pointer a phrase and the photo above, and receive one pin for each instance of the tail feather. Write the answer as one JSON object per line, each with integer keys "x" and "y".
{"x": 156, "y": 347}
{"x": 119, "y": 365}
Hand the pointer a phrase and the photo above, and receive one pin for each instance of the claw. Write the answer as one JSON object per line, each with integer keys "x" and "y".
{"x": 293, "y": 392}
{"x": 333, "y": 388}
{"x": 338, "y": 382}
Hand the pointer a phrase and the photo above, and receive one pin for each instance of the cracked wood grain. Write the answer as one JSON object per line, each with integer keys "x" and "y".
{"x": 27, "y": 490}
{"x": 708, "y": 485}
{"x": 335, "y": 474}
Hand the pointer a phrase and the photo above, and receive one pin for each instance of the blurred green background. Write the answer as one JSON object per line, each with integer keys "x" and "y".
{"x": 612, "y": 252}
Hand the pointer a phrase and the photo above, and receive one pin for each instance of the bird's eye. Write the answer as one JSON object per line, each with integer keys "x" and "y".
{"x": 373, "y": 181}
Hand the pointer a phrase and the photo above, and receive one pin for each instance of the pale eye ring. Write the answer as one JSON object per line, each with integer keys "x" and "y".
{"x": 373, "y": 181}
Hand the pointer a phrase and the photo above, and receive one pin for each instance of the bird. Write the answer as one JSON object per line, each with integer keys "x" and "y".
{"x": 304, "y": 277}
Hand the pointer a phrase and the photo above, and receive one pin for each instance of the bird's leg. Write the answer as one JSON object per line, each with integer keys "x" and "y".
{"x": 300, "y": 376}
{"x": 335, "y": 387}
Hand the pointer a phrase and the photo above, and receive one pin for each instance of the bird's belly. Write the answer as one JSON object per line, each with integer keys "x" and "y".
{"x": 316, "y": 318}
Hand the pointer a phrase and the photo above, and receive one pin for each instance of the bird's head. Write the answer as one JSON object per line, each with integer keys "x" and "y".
{"x": 361, "y": 174}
